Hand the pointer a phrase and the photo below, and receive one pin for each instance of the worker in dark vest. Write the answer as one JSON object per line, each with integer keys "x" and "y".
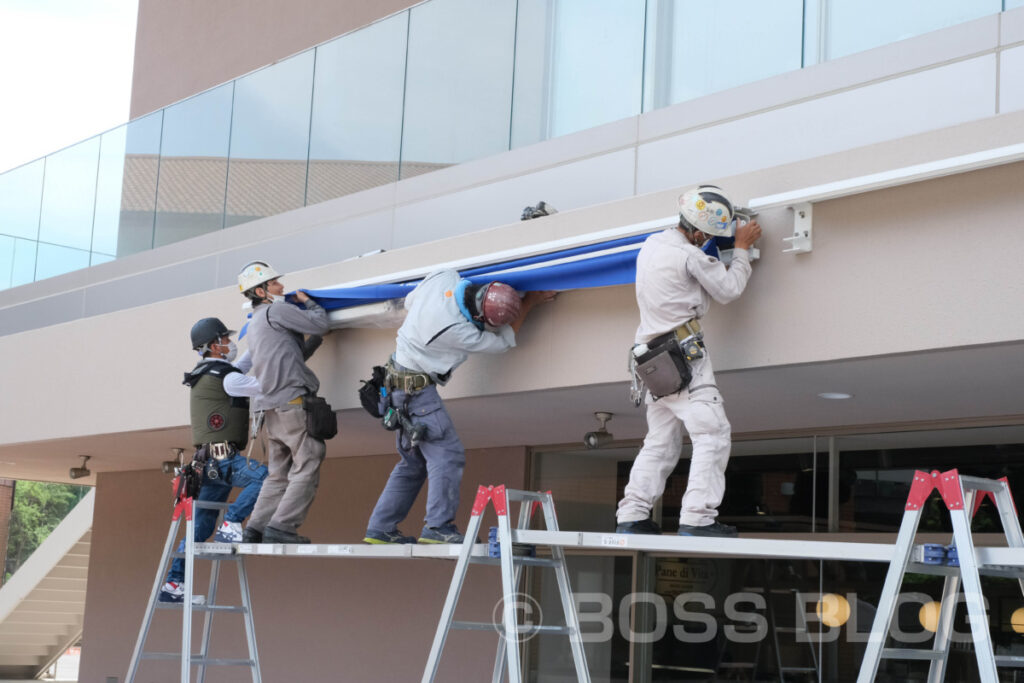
{"x": 219, "y": 403}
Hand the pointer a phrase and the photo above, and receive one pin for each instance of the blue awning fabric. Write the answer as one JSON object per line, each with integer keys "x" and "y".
{"x": 594, "y": 265}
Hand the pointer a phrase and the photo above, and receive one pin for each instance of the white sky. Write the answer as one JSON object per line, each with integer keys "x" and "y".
{"x": 65, "y": 73}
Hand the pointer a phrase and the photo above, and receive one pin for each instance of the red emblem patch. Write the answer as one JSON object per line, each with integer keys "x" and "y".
{"x": 216, "y": 421}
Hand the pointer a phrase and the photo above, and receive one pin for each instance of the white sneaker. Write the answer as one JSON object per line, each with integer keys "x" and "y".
{"x": 175, "y": 592}
{"x": 229, "y": 532}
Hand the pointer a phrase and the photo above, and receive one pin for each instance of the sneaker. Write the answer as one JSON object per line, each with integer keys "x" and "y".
{"x": 272, "y": 535}
{"x": 175, "y": 592}
{"x": 446, "y": 533}
{"x": 644, "y": 526}
{"x": 251, "y": 535}
{"x": 387, "y": 537}
{"x": 713, "y": 529}
{"x": 229, "y": 532}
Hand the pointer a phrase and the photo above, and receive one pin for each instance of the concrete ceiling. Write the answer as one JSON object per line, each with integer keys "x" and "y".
{"x": 901, "y": 397}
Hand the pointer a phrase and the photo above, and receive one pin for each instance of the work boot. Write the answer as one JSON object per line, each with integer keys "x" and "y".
{"x": 175, "y": 592}
{"x": 446, "y": 533}
{"x": 251, "y": 535}
{"x": 387, "y": 537}
{"x": 228, "y": 532}
{"x": 643, "y": 526}
{"x": 272, "y": 535}
{"x": 713, "y": 529}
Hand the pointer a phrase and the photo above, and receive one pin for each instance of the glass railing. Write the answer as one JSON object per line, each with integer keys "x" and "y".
{"x": 443, "y": 82}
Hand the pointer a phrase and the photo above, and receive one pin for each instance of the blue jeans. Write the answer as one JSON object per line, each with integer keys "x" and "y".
{"x": 438, "y": 458}
{"x": 234, "y": 473}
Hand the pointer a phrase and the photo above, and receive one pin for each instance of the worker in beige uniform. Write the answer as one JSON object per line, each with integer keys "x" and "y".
{"x": 675, "y": 282}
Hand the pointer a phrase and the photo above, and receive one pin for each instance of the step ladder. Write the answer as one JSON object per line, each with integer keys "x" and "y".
{"x": 962, "y": 495}
{"x": 508, "y": 655}
{"x": 202, "y": 660}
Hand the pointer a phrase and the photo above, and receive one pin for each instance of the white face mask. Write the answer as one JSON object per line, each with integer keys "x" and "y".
{"x": 232, "y": 352}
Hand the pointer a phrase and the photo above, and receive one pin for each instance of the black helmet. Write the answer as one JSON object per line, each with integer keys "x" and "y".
{"x": 208, "y": 330}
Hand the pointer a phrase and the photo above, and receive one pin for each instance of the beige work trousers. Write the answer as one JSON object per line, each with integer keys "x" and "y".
{"x": 293, "y": 458}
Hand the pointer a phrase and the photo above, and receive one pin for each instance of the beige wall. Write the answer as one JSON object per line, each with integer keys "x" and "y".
{"x": 187, "y": 46}
{"x": 316, "y": 619}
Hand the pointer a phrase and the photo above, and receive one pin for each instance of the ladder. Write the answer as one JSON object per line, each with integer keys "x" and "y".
{"x": 962, "y": 495}
{"x": 511, "y": 563}
{"x": 202, "y": 660}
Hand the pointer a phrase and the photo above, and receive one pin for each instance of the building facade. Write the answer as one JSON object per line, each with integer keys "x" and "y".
{"x": 415, "y": 138}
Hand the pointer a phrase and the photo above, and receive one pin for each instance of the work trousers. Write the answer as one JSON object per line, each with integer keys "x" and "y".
{"x": 438, "y": 458}
{"x": 699, "y": 409}
{"x": 294, "y": 459}
{"x": 235, "y": 472}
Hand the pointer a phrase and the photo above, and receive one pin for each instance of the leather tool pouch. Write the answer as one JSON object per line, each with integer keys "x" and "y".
{"x": 663, "y": 369}
{"x": 321, "y": 422}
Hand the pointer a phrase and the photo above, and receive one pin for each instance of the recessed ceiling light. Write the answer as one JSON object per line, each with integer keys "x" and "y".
{"x": 834, "y": 395}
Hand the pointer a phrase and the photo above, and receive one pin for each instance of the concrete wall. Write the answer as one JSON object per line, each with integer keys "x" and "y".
{"x": 316, "y": 619}
{"x": 182, "y": 48}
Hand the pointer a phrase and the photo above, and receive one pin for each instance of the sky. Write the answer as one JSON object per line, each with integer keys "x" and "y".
{"x": 65, "y": 73}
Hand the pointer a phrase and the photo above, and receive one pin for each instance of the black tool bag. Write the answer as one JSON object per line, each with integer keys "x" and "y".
{"x": 321, "y": 422}
{"x": 663, "y": 368}
{"x": 371, "y": 391}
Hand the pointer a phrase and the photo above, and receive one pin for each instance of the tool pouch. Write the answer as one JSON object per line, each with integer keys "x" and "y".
{"x": 371, "y": 392}
{"x": 321, "y": 422}
{"x": 664, "y": 369}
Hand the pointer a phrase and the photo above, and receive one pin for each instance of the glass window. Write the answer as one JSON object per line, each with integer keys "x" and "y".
{"x": 356, "y": 132}
{"x": 193, "y": 166}
{"x": 126, "y": 187}
{"x": 855, "y": 25}
{"x": 54, "y": 260}
{"x": 579, "y": 63}
{"x": 697, "y": 47}
{"x": 69, "y": 195}
{"x": 458, "y": 96}
{"x": 270, "y": 140}
{"x": 21, "y": 191}
{"x": 17, "y": 261}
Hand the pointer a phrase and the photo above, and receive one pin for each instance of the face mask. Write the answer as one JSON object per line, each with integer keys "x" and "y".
{"x": 232, "y": 352}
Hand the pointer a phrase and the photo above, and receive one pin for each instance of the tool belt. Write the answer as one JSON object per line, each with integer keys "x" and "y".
{"x": 405, "y": 380}
{"x": 221, "y": 450}
{"x": 664, "y": 366}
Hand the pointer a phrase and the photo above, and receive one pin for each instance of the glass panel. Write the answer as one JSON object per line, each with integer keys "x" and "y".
{"x": 686, "y": 59}
{"x": 6, "y": 260}
{"x": 193, "y": 166}
{"x": 270, "y": 140}
{"x": 126, "y": 187}
{"x": 855, "y": 25}
{"x": 69, "y": 195}
{"x": 356, "y": 131}
{"x": 578, "y": 65}
{"x": 459, "y": 87}
{"x": 21, "y": 191}
{"x": 1010, "y": 4}
{"x": 97, "y": 257}
{"x": 17, "y": 261}
{"x": 55, "y": 260}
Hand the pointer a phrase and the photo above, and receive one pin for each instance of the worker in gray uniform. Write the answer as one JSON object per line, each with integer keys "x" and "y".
{"x": 219, "y": 393}
{"x": 675, "y": 282}
{"x": 448, "y": 318}
{"x": 280, "y": 348}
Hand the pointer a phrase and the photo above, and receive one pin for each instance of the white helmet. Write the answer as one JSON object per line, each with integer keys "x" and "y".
{"x": 255, "y": 274}
{"x": 706, "y": 208}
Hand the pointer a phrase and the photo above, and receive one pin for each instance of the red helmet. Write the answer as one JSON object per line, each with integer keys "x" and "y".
{"x": 498, "y": 304}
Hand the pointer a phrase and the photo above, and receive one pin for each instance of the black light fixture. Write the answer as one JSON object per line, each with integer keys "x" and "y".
{"x": 82, "y": 470}
{"x": 602, "y": 437}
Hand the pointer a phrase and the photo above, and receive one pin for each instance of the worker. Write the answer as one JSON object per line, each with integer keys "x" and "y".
{"x": 219, "y": 393}
{"x": 280, "y": 348}
{"x": 448, "y": 318}
{"x": 675, "y": 282}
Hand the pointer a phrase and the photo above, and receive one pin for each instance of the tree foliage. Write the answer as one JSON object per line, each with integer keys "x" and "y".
{"x": 38, "y": 508}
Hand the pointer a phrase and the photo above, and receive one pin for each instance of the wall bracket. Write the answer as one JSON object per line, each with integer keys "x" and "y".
{"x": 803, "y": 222}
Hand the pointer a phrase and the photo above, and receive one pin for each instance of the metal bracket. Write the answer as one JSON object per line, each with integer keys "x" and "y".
{"x": 803, "y": 223}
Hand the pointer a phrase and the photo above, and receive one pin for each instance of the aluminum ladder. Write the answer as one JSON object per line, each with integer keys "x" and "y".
{"x": 202, "y": 660}
{"x": 962, "y": 495}
{"x": 508, "y": 655}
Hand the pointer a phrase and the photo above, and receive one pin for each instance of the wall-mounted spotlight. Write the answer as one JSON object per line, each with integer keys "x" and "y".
{"x": 81, "y": 471}
{"x": 602, "y": 437}
{"x": 169, "y": 466}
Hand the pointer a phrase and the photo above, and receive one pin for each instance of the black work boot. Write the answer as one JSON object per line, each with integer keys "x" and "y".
{"x": 644, "y": 526}
{"x": 272, "y": 535}
{"x": 713, "y": 529}
{"x": 250, "y": 535}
